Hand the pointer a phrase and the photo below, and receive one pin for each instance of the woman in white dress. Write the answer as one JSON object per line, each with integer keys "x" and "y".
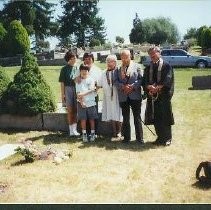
{"x": 111, "y": 110}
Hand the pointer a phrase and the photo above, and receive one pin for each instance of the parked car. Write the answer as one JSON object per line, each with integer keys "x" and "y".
{"x": 180, "y": 58}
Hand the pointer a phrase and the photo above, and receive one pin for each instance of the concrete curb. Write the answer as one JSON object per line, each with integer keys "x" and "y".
{"x": 21, "y": 122}
{"x": 55, "y": 121}
{"x": 46, "y": 121}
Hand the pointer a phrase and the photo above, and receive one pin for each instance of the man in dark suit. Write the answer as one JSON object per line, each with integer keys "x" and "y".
{"x": 128, "y": 80}
{"x": 159, "y": 85}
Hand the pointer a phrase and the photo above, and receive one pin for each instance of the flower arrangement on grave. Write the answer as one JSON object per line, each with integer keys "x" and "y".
{"x": 31, "y": 153}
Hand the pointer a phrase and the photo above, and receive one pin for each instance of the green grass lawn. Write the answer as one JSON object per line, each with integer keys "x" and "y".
{"x": 109, "y": 172}
{"x": 51, "y": 74}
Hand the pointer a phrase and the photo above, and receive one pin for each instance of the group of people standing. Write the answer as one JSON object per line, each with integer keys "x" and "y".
{"x": 123, "y": 88}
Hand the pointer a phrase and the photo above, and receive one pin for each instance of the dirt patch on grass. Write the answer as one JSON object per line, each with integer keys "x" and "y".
{"x": 3, "y": 187}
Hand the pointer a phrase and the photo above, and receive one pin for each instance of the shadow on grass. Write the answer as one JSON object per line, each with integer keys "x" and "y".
{"x": 202, "y": 185}
{"x": 57, "y": 138}
{"x": 10, "y": 131}
{"x": 54, "y": 138}
{"x": 19, "y": 162}
{"x": 108, "y": 144}
{"x": 102, "y": 142}
{"x": 51, "y": 138}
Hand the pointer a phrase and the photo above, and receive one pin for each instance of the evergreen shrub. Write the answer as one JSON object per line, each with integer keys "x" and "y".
{"x": 4, "y": 81}
{"x": 3, "y": 33}
{"x": 28, "y": 94}
{"x": 16, "y": 40}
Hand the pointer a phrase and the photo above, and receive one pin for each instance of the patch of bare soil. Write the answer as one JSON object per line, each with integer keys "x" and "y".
{"x": 3, "y": 187}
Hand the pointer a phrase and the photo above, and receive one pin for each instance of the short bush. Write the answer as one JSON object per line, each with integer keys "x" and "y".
{"x": 3, "y": 32}
{"x": 16, "y": 41}
{"x": 4, "y": 81}
{"x": 28, "y": 94}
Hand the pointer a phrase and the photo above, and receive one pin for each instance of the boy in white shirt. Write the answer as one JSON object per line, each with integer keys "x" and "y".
{"x": 86, "y": 105}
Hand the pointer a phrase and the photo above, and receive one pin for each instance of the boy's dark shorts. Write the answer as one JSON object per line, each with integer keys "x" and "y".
{"x": 86, "y": 113}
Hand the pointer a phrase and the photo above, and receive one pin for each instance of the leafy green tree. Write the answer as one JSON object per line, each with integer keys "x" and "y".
{"x": 28, "y": 94}
{"x": 43, "y": 24}
{"x": 80, "y": 23}
{"x": 191, "y": 42}
{"x": 18, "y": 10}
{"x": 66, "y": 42}
{"x": 199, "y": 34}
{"x": 155, "y": 31}
{"x": 120, "y": 39}
{"x": 35, "y": 16}
{"x": 4, "y": 81}
{"x": 191, "y": 33}
{"x": 94, "y": 42}
{"x": 41, "y": 46}
{"x": 98, "y": 30}
{"x": 3, "y": 32}
{"x": 136, "y": 35}
{"x": 160, "y": 30}
{"x": 16, "y": 40}
{"x": 206, "y": 38}
{"x": 107, "y": 45}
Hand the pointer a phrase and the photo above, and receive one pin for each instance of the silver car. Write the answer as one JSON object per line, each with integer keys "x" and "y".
{"x": 180, "y": 58}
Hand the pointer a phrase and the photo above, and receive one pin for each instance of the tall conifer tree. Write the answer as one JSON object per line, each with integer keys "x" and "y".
{"x": 80, "y": 23}
{"x": 35, "y": 16}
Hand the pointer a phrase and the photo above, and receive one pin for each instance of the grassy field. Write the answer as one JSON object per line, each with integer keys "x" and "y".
{"x": 109, "y": 172}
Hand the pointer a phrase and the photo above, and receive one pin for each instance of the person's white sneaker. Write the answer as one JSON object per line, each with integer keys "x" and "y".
{"x": 74, "y": 129}
{"x": 75, "y": 133}
{"x": 84, "y": 136}
{"x": 71, "y": 133}
{"x": 92, "y": 137}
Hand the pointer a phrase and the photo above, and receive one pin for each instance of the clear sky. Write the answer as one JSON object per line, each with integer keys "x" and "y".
{"x": 119, "y": 14}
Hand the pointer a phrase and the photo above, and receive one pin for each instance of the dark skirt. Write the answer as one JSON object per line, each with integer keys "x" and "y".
{"x": 162, "y": 112}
